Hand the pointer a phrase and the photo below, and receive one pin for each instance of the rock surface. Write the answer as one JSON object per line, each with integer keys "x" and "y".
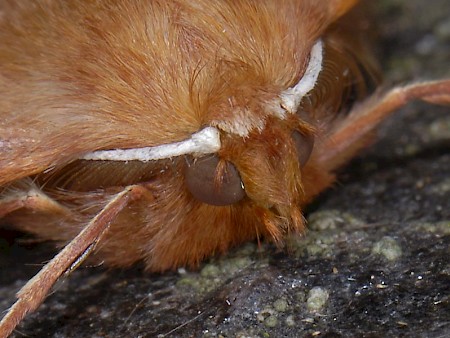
{"x": 375, "y": 262}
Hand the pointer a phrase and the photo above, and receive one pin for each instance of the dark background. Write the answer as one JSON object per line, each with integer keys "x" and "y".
{"x": 378, "y": 243}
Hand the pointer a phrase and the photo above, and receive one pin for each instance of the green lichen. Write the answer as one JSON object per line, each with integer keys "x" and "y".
{"x": 442, "y": 227}
{"x": 290, "y": 321}
{"x": 332, "y": 219}
{"x": 281, "y": 305}
{"x": 317, "y": 299}
{"x": 271, "y": 321}
{"x": 388, "y": 248}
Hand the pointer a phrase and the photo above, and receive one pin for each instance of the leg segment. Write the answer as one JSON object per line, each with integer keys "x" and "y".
{"x": 354, "y": 132}
{"x": 34, "y": 292}
{"x": 32, "y": 199}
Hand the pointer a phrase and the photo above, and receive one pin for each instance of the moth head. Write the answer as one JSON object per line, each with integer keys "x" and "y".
{"x": 214, "y": 180}
{"x": 255, "y": 136}
{"x": 252, "y": 151}
{"x": 264, "y": 171}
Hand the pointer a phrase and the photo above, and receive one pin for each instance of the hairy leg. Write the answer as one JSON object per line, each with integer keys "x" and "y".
{"x": 34, "y": 292}
{"x": 355, "y": 130}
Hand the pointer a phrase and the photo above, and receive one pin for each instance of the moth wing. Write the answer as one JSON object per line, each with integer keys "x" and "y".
{"x": 27, "y": 148}
{"x": 67, "y": 89}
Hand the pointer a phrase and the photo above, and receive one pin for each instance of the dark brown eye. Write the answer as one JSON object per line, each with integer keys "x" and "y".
{"x": 213, "y": 181}
{"x": 304, "y": 145}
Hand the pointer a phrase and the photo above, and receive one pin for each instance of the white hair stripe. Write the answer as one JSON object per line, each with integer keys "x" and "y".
{"x": 205, "y": 141}
{"x": 291, "y": 97}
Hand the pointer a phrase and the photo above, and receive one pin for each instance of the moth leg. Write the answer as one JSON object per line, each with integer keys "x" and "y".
{"x": 355, "y": 131}
{"x": 32, "y": 199}
{"x": 33, "y": 293}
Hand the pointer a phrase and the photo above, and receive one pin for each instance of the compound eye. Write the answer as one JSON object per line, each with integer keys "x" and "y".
{"x": 304, "y": 145}
{"x": 213, "y": 181}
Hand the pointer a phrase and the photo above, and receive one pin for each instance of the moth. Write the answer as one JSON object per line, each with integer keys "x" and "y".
{"x": 169, "y": 131}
